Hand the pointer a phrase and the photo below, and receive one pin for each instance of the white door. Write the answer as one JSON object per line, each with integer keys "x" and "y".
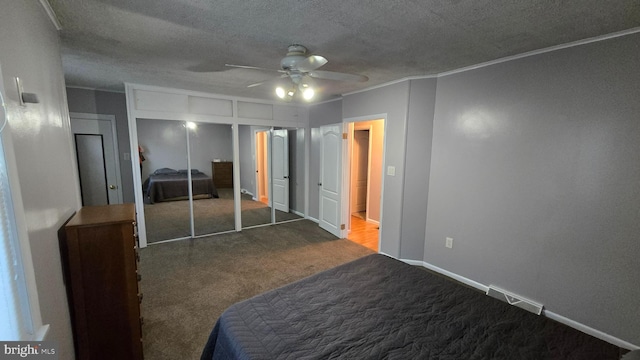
{"x": 280, "y": 170}
{"x": 331, "y": 178}
{"x": 90, "y": 124}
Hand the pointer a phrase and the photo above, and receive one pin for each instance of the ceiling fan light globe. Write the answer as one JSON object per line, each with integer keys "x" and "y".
{"x": 308, "y": 93}
{"x": 280, "y": 92}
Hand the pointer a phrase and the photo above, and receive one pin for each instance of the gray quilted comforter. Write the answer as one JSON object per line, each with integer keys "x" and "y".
{"x": 380, "y": 308}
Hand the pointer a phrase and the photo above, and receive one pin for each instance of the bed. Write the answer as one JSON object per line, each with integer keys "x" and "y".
{"x": 379, "y": 308}
{"x": 168, "y": 185}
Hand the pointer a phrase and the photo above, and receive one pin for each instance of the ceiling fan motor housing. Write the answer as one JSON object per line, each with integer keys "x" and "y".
{"x": 295, "y": 53}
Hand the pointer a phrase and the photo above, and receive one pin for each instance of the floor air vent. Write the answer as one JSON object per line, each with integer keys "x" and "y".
{"x": 515, "y": 300}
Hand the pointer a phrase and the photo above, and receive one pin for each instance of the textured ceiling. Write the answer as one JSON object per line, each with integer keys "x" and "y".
{"x": 169, "y": 42}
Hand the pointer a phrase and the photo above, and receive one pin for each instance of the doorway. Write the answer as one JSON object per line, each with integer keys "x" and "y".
{"x": 335, "y": 179}
{"x": 365, "y": 153}
{"x": 262, "y": 167}
{"x": 95, "y": 144}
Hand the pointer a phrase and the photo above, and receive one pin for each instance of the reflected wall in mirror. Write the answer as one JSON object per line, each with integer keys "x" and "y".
{"x": 254, "y": 175}
{"x": 287, "y": 154}
{"x": 162, "y": 156}
{"x": 211, "y": 155}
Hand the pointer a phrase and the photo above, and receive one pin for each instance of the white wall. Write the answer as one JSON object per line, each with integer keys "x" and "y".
{"x": 41, "y": 132}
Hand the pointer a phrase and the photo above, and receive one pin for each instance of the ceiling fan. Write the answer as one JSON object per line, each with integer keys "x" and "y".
{"x": 298, "y": 66}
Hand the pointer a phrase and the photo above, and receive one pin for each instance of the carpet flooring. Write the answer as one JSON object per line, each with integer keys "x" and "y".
{"x": 188, "y": 284}
{"x": 170, "y": 219}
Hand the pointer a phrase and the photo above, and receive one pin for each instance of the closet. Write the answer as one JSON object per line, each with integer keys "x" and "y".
{"x": 194, "y": 134}
{"x": 187, "y": 178}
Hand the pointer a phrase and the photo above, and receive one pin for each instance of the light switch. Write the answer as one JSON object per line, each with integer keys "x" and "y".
{"x": 391, "y": 170}
{"x": 127, "y": 156}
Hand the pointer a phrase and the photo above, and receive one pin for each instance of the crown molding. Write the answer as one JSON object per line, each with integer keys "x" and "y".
{"x": 51, "y": 14}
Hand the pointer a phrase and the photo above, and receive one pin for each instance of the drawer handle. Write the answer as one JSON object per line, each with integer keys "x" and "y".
{"x": 139, "y": 277}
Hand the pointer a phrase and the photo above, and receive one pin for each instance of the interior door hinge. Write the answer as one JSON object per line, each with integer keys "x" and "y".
{"x": 344, "y": 136}
{"x": 342, "y": 227}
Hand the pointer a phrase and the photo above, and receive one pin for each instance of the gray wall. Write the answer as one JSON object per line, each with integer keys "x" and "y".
{"x": 422, "y": 99}
{"x": 41, "y": 142}
{"x": 108, "y": 103}
{"x": 535, "y": 174}
{"x": 321, "y": 114}
{"x": 393, "y": 101}
{"x": 165, "y": 145}
{"x": 296, "y": 170}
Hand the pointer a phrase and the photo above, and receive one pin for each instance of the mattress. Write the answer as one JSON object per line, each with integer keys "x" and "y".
{"x": 380, "y": 308}
{"x": 166, "y": 187}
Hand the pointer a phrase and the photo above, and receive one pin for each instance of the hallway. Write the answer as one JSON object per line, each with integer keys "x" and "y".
{"x": 363, "y": 232}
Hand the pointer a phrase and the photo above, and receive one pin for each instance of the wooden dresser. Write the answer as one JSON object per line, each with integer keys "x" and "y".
{"x": 99, "y": 254}
{"x": 222, "y": 172}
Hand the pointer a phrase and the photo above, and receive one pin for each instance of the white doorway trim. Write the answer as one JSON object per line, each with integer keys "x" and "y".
{"x": 116, "y": 149}
{"x": 346, "y": 168}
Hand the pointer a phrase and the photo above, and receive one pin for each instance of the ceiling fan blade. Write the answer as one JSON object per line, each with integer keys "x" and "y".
{"x": 256, "y": 84}
{"x": 205, "y": 67}
{"x": 251, "y": 67}
{"x": 266, "y": 81}
{"x": 310, "y": 63}
{"x": 330, "y": 75}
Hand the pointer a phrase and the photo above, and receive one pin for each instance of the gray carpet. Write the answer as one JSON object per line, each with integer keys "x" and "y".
{"x": 170, "y": 219}
{"x": 188, "y": 284}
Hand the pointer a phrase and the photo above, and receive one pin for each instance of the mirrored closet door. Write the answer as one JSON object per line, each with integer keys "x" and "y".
{"x": 187, "y": 176}
{"x": 254, "y": 175}
{"x": 211, "y": 154}
{"x": 163, "y": 160}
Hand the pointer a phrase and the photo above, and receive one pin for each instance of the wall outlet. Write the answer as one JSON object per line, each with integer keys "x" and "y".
{"x": 448, "y": 242}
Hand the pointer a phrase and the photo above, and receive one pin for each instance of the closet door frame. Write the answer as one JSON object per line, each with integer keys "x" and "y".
{"x": 150, "y": 102}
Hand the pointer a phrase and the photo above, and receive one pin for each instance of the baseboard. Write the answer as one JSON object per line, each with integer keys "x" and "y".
{"x": 247, "y": 192}
{"x": 312, "y": 219}
{"x": 369, "y": 220}
{"x": 454, "y": 276}
{"x": 297, "y": 213}
{"x": 42, "y": 333}
{"x": 591, "y": 331}
{"x": 551, "y": 315}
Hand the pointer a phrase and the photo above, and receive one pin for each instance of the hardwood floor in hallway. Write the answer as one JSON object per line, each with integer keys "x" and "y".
{"x": 364, "y": 233}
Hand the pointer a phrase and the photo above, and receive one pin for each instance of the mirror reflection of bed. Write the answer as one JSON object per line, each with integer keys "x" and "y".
{"x": 172, "y": 147}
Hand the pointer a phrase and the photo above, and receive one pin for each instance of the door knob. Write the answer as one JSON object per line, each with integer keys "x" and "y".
{"x": 112, "y": 187}
{"x": 319, "y": 184}
{"x": 286, "y": 177}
